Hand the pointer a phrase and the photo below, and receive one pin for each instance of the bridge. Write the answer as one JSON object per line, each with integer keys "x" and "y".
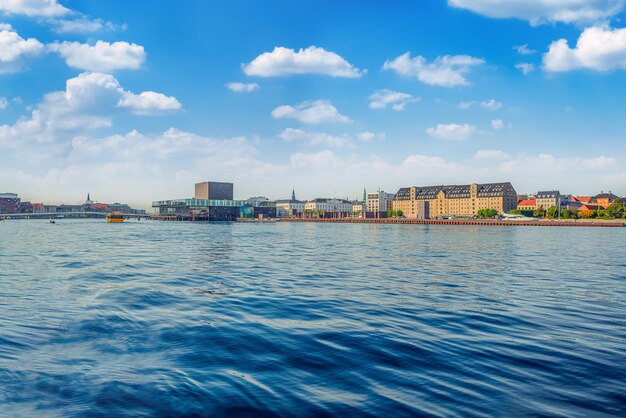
{"x": 69, "y": 215}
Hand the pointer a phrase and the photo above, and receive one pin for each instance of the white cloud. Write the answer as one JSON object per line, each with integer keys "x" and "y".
{"x": 33, "y": 8}
{"x": 103, "y": 56}
{"x": 148, "y": 103}
{"x": 313, "y": 138}
{"x": 598, "y": 162}
{"x": 242, "y": 87}
{"x": 86, "y": 25}
{"x": 319, "y": 111}
{"x": 370, "y": 136}
{"x": 14, "y": 48}
{"x": 490, "y": 104}
{"x": 525, "y": 67}
{"x": 491, "y": 154}
{"x": 381, "y": 98}
{"x": 4, "y": 103}
{"x": 88, "y": 102}
{"x": 544, "y": 11}
{"x": 451, "y": 132}
{"x": 312, "y": 60}
{"x": 598, "y": 49}
{"x": 524, "y": 50}
{"x": 497, "y": 124}
{"x": 316, "y": 160}
{"x": 445, "y": 71}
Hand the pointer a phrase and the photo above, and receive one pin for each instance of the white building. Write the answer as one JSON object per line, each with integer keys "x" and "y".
{"x": 288, "y": 207}
{"x": 379, "y": 201}
{"x": 328, "y": 205}
{"x": 358, "y": 208}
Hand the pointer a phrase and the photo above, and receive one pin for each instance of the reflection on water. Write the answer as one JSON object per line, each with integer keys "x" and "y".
{"x": 158, "y": 319}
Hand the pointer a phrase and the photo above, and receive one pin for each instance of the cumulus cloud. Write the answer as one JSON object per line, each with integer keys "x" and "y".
{"x": 452, "y": 131}
{"x": 85, "y": 25}
{"x": 319, "y": 111}
{"x": 524, "y": 50}
{"x": 315, "y": 160}
{"x": 370, "y": 136}
{"x": 497, "y": 124}
{"x": 525, "y": 68}
{"x": 542, "y": 11}
{"x": 103, "y": 56}
{"x": 380, "y": 99}
{"x": 313, "y": 138}
{"x": 598, "y": 162}
{"x": 148, "y": 103}
{"x": 14, "y": 48}
{"x": 445, "y": 71}
{"x": 597, "y": 49}
{"x": 491, "y": 154}
{"x": 312, "y": 60}
{"x": 88, "y": 102}
{"x": 33, "y": 8}
{"x": 490, "y": 104}
{"x": 242, "y": 87}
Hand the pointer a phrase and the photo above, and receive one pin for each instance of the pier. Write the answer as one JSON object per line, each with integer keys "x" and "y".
{"x": 460, "y": 222}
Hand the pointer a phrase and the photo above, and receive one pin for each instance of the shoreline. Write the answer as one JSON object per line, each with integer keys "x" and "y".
{"x": 452, "y": 222}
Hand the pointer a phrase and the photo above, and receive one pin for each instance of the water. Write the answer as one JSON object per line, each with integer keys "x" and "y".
{"x": 179, "y": 319}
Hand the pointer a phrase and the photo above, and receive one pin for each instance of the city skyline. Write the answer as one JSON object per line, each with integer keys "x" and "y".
{"x": 105, "y": 98}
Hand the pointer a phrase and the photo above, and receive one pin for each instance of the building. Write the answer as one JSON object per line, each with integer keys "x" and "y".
{"x": 604, "y": 200}
{"x": 548, "y": 199}
{"x": 213, "y": 190}
{"x": 358, "y": 208}
{"x": 335, "y": 206}
{"x": 9, "y": 203}
{"x": 464, "y": 200}
{"x": 379, "y": 202}
{"x": 286, "y": 208}
{"x": 528, "y": 204}
{"x": 214, "y": 209}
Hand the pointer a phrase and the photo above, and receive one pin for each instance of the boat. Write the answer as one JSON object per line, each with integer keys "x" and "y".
{"x": 114, "y": 217}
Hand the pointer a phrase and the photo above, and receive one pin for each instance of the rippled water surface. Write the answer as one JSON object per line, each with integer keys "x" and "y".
{"x": 178, "y": 319}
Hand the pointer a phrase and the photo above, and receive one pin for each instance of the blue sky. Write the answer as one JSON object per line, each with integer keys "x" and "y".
{"x": 136, "y": 101}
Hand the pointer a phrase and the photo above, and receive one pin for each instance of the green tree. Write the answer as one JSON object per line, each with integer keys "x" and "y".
{"x": 486, "y": 213}
{"x": 399, "y": 213}
{"x": 567, "y": 214}
{"x": 552, "y": 212}
{"x": 539, "y": 213}
{"x": 615, "y": 209}
{"x": 587, "y": 214}
{"x": 391, "y": 213}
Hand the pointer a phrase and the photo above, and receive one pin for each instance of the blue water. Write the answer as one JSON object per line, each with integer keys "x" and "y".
{"x": 179, "y": 319}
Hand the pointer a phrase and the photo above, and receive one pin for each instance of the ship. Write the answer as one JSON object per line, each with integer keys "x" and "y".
{"x": 114, "y": 217}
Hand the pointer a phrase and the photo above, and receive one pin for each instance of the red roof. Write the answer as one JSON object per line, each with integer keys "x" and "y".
{"x": 528, "y": 202}
{"x": 581, "y": 199}
{"x": 589, "y": 207}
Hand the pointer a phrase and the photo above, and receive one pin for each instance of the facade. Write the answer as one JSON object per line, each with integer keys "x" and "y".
{"x": 214, "y": 190}
{"x": 604, "y": 200}
{"x": 548, "y": 199}
{"x": 529, "y": 204}
{"x": 358, "y": 208}
{"x": 464, "y": 200}
{"x": 379, "y": 202}
{"x": 328, "y": 205}
{"x": 289, "y": 207}
{"x": 9, "y": 203}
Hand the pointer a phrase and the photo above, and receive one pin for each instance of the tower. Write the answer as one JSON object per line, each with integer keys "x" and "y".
{"x": 88, "y": 201}
{"x": 364, "y": 195}
{"x": 293, "y": 194}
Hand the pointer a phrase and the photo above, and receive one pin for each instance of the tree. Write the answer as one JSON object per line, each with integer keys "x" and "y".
{"x": 568, "y": 214}
{"x": 486, "y": 213}
{"x": 552, "y": 212}
{"x": 539, "y": 213}
{"x": 399, "y": 213}
{"x": 615, "y": 209}
{"x": 587, "y": 214}
{"x": 391, "y": 213}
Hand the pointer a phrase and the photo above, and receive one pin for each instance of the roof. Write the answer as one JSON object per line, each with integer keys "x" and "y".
{"x": 582, "y": 199}
{"x": 454, "y": 191}
{"x": 527, "y": 202}
{"x": 608, "y": 195}
{"x": 548, "y": 194}
{"x": 288, "y": 201}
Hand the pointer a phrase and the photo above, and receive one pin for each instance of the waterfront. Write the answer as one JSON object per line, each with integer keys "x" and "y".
{"x": 302, "y": 319}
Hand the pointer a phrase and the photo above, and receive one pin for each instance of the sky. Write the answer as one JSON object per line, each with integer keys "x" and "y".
{"x": 136, "y": 101}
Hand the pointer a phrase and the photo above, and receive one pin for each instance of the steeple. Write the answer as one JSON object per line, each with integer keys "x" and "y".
{"x": 293, "y": 194}
{"x": 364, "y": 195}
{"x": 88, "y": 201}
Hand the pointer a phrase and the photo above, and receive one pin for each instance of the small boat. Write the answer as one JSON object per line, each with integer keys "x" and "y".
{"x": 52, "y": 221}
{"x": 114, "y": 217}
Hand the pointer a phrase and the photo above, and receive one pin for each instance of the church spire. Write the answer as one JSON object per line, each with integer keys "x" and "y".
{"x": 293, "y": 194}
{"x": 364, "y": 195}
